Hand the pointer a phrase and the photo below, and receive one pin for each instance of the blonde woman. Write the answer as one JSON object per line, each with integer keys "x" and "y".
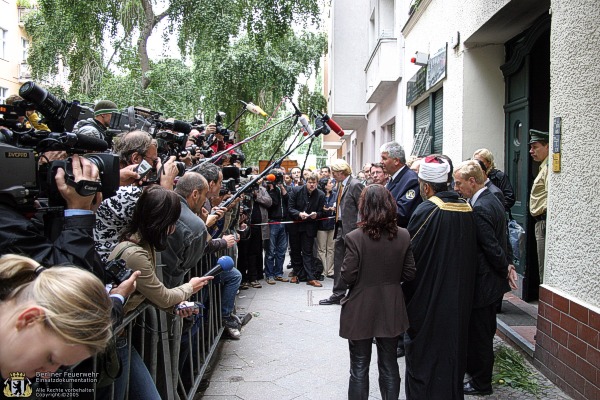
{"x": 50, "y": 317}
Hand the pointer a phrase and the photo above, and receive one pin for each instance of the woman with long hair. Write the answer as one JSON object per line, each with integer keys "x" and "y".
{"x": 326, "y": 227}
{"x": 378, "y": 258}
{"x": 156, "y": 212}
{"x": 51, "y": 317}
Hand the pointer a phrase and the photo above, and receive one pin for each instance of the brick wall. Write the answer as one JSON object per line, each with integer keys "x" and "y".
{"x": 567, "y": 347}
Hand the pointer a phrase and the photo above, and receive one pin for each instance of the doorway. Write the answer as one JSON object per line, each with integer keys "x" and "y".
{"x": 527, "y": 106}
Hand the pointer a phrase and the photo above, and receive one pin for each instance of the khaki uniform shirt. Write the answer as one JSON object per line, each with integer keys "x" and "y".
{"x": 539, "y": 191}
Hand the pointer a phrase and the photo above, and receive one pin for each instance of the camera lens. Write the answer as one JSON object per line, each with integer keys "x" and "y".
{"x": 46, "y": 103}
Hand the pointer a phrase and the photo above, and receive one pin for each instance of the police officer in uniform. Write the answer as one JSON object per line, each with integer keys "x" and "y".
{"x": 538, "y": 149}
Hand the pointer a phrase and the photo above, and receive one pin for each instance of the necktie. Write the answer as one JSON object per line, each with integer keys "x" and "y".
{"x": 339, "y": 198}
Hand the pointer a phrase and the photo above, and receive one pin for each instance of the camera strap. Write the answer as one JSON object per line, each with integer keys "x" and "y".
{"x": 84, "y": 187}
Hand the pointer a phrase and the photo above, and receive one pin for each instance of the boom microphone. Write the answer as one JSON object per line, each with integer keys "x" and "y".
{"x": 334, "y": 126}
{"x": 224, "y": 263}
{"x": 182, "y": 126}
{"x": 254, "y": 109}
{"x": 304, "y": 121}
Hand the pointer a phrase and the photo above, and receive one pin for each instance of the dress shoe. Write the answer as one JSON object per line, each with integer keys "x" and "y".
{"x": 314, "y": 283}
{"x": 470, "y": 390}
{"x": 321, "y": 278}
{"x": 330, "y": 301}
{"x": 294, "y": 279}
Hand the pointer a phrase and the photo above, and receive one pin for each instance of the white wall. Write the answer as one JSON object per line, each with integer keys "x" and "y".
{"x": 572, "y": 245}
{"x": 483, "y": 101}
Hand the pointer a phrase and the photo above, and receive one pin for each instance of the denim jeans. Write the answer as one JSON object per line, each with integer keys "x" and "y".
{"x": 276, "y": 254}
{"x": 141, "y": 385}
{"x": 231, "y": 283}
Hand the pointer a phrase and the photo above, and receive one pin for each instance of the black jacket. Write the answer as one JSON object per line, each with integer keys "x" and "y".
{"x": 492, "y": 259}
{"x": 500, "y": 179}
{"x": 279, "y": 204}
{"x": 300, "y": 201}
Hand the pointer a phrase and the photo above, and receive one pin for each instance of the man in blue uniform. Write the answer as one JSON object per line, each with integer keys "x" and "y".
{"x": 403, "y": 183}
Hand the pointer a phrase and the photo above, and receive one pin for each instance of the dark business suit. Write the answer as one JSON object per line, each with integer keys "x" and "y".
{"x": 374, "y": 307}
{"x": 302, "y": 235}
{"x": 405, "y": 190}
{"x": 490, "y": 285}
{"x": 346, "y": 224}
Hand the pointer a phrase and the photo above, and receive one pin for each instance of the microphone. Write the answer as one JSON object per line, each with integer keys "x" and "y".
{"x": 224, "y": 263}
{"x": 182, "y": 126}
{"x": 304, "y": 121}
{"x": 254, "y": 109}
{"x": 322, "y": 129}
{"x": 333, "y": 125}
{"x": 271, "y": 178}
{"x": 79, "y": 141}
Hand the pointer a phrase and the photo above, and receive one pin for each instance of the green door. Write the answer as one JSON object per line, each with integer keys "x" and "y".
{"x": 527, "y": 83}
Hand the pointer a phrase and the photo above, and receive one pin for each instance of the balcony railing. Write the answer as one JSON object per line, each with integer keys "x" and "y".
{"x": 383, "y": 70}
{"x": 23, "y": 11}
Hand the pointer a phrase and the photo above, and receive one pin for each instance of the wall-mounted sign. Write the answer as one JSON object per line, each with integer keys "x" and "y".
{"x": 556, "y": 134}
{"x": 428, "y": 76}
{"x": 415, "y": 87}
{"x": 436, "y": 67}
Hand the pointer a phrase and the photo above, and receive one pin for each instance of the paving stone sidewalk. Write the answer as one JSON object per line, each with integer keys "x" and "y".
{"x": 291, "y": 350}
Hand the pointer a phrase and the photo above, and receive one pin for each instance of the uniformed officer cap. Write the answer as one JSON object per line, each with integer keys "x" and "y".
{"x": 538, "y": 136}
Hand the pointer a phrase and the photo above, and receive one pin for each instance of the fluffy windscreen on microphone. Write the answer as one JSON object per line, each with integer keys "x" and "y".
{"x": 271, "y": 178}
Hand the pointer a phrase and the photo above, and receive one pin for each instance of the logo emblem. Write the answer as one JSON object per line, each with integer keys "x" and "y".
{"x": 17, "y": 385}
{"x": 410, "y": 194}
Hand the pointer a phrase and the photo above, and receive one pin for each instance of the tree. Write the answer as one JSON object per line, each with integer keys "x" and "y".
{"x": 76, "y": 33}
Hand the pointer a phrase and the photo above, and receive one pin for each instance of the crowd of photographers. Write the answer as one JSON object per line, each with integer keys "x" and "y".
{"x": 117, "y": 193}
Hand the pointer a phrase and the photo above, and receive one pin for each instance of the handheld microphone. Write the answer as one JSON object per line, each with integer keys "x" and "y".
{"x": 333, "y": 125}
{"x": 224, "y": 263}
{"x": 304, "y": 121}
{"x": 79, "y": 141}
{"x": 254, "y": 109}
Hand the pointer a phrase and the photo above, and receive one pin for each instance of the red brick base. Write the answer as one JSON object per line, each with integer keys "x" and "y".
{"x": 567, "y": 345}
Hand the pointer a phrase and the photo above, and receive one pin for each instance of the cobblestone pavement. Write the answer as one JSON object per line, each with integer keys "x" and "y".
{"x": 291, "y": 350}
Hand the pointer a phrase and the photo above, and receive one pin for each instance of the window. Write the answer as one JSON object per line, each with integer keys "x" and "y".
{"x": 24, "y": 49}
{"x": 3, "y": 95}
{"x": 429, "y": 125}
{"x": 3, "y": 38}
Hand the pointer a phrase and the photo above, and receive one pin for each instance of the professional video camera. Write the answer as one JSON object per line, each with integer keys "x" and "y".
{"x": 19, "y": 155}
{"x": 231, "y": 178}
{"x": 275, "y": 177}
{"x": 59, "y": 115}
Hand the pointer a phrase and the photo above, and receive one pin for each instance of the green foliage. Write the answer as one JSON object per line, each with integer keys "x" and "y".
{"x": 510, "y": 369}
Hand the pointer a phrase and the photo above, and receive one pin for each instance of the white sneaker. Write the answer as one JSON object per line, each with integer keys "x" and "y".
{"x": 233, "y": 333}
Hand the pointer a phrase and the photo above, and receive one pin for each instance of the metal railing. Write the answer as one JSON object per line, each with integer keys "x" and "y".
{"x": 176, "y": 353}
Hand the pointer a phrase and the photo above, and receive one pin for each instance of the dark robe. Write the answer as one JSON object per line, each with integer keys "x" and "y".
{"x": 440, "y": 297}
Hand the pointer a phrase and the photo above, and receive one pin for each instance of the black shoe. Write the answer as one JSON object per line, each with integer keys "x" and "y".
{"x": 330, "y": 301}
{"x": 470, "y": 390}
{"x": 321, "y": 278}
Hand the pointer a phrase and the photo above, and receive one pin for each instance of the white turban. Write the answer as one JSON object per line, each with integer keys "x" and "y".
{"x": 434, "y": 171}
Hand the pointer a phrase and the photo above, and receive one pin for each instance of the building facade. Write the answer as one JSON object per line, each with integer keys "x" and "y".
{"x": 451, "y": 77}
{"x": 14, "y": 44}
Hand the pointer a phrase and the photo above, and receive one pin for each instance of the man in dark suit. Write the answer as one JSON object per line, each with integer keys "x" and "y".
{"x": 305, "y": 205}
{"x": 493, "y": 271}
{"x": 349, "y": 190}
{"x": 403, "y": 183}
